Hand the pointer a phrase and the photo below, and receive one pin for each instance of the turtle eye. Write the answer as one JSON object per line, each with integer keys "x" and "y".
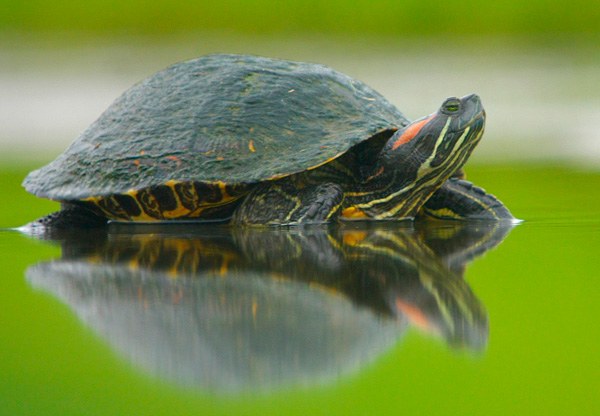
{"x": 451, "y": 106}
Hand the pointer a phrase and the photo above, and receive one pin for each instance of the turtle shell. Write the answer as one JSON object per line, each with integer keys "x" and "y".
{"x": 232, "y": 119}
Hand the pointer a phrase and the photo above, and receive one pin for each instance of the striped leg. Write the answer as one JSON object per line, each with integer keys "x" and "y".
{"x": 281, "y": 203}
{"x": 458, "y": 199}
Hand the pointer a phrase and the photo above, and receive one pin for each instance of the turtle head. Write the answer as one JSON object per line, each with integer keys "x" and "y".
{"x": 419, "y": 158}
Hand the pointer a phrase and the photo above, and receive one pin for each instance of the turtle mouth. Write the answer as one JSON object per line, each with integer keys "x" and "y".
{"x": 474, "y": 112}
{"x": 478, "y": 118}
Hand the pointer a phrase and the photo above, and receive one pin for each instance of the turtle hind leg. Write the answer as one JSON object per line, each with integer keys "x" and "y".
{"x": 281, "y": 203}
{"x": 70, "y": 216}
{"x": 458, "y": 199}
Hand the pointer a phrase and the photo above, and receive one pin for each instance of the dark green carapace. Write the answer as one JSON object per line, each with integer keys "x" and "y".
{"x": 262, "y": 141}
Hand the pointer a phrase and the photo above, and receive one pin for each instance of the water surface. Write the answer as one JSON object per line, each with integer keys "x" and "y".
{"x": 427, "y": 319}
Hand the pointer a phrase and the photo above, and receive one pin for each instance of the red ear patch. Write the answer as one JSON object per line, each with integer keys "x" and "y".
{"x": 410, "y": 132}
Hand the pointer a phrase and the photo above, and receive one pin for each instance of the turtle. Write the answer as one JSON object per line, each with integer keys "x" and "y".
{"x": 250, "y": 140}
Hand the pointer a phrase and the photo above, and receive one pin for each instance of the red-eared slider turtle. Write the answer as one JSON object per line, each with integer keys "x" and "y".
{"x": 254, "y": 140}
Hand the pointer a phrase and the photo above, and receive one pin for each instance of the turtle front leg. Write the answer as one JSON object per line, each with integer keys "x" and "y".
{"x": 282, "y": 203}
{"x": 458, "y": 199}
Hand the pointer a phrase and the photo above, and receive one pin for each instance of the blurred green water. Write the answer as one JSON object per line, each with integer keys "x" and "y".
{"x": 382, "y": 17}
{"x": 539, "y": 288}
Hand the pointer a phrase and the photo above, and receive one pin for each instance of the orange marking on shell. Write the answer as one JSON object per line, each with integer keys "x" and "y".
{"x": 410, "y": 132}
{"x": 251, "y": 146}
{"x": 174, "y": 159}
{"x": 136, "y": 162}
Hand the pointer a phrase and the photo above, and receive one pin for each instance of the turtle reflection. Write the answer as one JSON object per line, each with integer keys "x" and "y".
{"x": 236, "y": 309}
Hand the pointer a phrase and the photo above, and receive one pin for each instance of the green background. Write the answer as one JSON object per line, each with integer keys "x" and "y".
{"x": 540, "y": 286}
{"x": 389, "y": 17}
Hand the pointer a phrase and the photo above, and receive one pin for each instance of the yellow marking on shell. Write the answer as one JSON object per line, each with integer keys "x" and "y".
{"x": 353, "y": 213}
{"x": 143, "y": 216}
{"x": 251, "y": 146}
{"x": 95, "y": 200}
{"x": 326, "y": 161}
{"x": 279, "y": 176}
{"x": 179, "y": 212}
{"x": 223, "y": 188}
{"x": 92, "y": 199}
